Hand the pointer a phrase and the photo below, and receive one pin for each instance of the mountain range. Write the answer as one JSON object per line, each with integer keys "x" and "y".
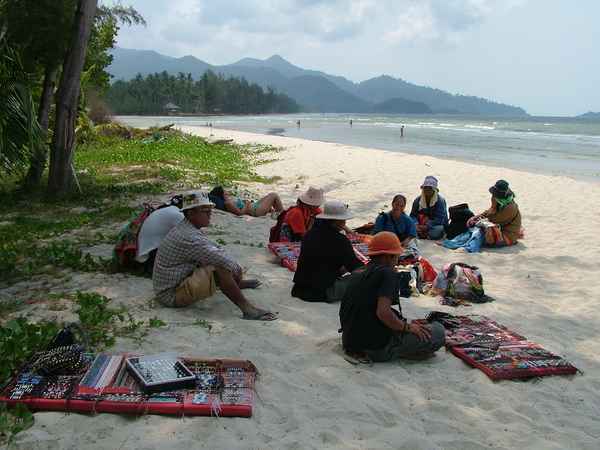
{"x": 315, "y": 90}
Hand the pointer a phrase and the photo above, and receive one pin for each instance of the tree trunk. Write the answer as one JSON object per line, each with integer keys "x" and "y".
{"x": 37, "y": 163}
{"x": 61, "y": 148}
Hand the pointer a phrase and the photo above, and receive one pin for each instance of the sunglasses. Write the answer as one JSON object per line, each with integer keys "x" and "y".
{"x": 205, "y": 210}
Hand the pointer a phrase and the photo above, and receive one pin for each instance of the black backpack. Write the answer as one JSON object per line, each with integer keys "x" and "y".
{"x": 459, "y": 216}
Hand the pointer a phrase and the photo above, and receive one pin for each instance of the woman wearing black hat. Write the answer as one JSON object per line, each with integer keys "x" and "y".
{"x": 504, "y": 213}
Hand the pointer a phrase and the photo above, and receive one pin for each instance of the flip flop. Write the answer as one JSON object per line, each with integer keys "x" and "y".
{"x": 357, "y": 358}
{"x": 252, "y": 284}
{"x": 258, "y": 317}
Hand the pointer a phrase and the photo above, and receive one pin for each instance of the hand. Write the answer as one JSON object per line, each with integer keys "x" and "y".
{"x": 240, "y": 274}
{"x": 417, "y": 328}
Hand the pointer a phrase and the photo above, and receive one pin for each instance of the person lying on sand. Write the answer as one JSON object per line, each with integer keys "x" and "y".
{"x": 190, "y": 267}
{"x": 370, "y": 326}
{"x": 263, "y": 206}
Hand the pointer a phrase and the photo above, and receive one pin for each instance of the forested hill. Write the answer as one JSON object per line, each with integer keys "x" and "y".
{"x": 313, "y": 90}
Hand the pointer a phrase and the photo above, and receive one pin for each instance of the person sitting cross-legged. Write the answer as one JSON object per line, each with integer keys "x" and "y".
{"x": 190, "y": 267}
{"x": 370, "y": 326}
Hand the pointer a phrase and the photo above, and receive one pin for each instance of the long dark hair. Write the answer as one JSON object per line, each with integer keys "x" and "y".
{"x": 217, "y": 191}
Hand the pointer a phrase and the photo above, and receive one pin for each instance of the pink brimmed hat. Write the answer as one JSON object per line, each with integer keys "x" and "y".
{"x": 313, "y": 197}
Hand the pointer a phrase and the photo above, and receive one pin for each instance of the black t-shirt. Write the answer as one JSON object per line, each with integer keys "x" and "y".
{"x": 323, "y": 252}
{"x": 362, "y": 329}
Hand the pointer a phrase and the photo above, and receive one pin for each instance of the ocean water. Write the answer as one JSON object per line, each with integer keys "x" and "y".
{"x": 548, "y": 145}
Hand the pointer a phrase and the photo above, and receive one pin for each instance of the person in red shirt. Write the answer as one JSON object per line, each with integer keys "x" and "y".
{"x": 301, "y": 217}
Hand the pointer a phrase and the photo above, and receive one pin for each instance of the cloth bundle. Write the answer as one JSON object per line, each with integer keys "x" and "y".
{"x": 493, "y": 232}
{"x": 62, "y": 356}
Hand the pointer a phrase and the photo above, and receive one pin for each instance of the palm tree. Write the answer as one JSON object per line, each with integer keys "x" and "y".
{"x": 20, "y": 132}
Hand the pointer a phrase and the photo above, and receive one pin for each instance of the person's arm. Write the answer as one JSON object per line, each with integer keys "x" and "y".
{"x": 414, "y": 212}
{"x": 411, "y": 231}
{"x": 440, "y": 216}
{"x": 296, "y": 221}
{"x": 349, "y": 259}
{"x": 379, "y": 223}
{"x": 389, "y": 319}
{"x": 206, "y": 251}
{"x": 505, "y": 215}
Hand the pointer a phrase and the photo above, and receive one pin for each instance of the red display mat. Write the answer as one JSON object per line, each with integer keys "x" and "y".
{"x": 224, "y": 387}
{"x": 288, "y": 252}
{"x": 500, "y": 352}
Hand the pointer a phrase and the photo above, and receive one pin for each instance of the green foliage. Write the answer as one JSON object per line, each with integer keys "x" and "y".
{"x": 204, "y": 324}
{"x": 18, "y": 341}
{"x": 20, "y": 132}
{"x": 156, "y": 322}
{"x": 97, "y": 318}
{"x": 12, "y": 422}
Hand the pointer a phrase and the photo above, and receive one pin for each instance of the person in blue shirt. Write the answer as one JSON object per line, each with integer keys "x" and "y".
{"x": 397, "y": 221}
{"x": 429, "y": 212}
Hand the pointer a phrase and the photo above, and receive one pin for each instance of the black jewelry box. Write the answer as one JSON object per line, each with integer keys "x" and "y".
{"x": 159, "y": 373}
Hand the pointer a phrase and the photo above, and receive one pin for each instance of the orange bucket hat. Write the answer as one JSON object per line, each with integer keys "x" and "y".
{"x": 385, "y": 243}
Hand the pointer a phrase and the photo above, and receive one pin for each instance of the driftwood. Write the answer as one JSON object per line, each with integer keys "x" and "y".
{"x": 220, "y": 141}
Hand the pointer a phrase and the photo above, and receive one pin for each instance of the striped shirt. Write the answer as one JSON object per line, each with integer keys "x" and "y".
{"x": 182, "y": 251}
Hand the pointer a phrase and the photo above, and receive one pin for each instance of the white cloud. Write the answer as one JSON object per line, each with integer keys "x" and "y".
{"x": 444, "y": 21}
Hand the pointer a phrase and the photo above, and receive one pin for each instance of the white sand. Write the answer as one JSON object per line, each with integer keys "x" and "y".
{"x": 546, "y": 288}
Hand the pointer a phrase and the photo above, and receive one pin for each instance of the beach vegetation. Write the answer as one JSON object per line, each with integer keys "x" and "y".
{"x": 57, "y": 43}
{"x": 13, "y": 422}
{"x": 46, "y": 240}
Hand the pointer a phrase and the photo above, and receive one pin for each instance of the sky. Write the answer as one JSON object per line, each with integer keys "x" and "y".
{"x": 540, "y": 55}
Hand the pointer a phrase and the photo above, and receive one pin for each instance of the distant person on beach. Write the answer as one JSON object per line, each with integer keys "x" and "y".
{"x": 371, "y": 328}
{"x": 325, "y": 255}
{"x": 154, "y": 229}
{"x": 402, "y": 132}
{"x": 301, "y": 217}
{"x": 397, "y": 221}
{"x": 350, "y": 122}
{"x": 270, "y": 203}
{"x": 190, "y": 267}
{"x": 429, "y": 211}
{"x": 298, "y": 123}
{"x": 501, "y": 227}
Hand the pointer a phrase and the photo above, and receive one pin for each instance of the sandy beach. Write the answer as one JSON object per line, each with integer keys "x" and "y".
{"x": 309, "y": 397}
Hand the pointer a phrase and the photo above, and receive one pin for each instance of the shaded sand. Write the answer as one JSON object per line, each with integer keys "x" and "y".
{"x": 546, "y": 288}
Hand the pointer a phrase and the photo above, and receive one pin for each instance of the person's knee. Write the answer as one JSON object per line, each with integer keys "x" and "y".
{"x": 435, "y": 233}
{"x": 438, "y": 336}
